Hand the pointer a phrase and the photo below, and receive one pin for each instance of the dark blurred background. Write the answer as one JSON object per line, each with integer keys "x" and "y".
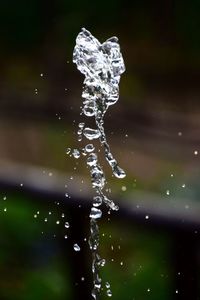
{"x": 152, "y": 244}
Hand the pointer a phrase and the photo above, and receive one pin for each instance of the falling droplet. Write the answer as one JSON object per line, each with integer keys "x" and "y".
{"x": 66, "y": 224}
{"x": 91, "y": 134}
{"x": 97, "y": 201}
{"x": 76, "y": 153}
{"x": 76, "y": 247}
{"x": 95, "y": 213}
{"x": 109, "y": 293}
{"x": 89, "y": 148}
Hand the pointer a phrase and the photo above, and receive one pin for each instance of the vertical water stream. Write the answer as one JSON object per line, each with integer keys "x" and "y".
{"x": 102, "y": 65}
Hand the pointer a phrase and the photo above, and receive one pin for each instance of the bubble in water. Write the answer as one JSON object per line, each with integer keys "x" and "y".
{"x": 65, "y": 236}
{"x": 5, "y": 209}
{"x": 4, "y": 198}
{"x": 95, "y": 213}
{"x": 167, "y": 192}
{"x": 76, "y": 247}
{"x": 57, "y": 222}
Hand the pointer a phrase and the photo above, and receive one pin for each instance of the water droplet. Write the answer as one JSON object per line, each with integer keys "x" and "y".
{"x": 57, "y": 222}
{"x": 68, "y": 150}
{"x": 76, "y": 247}
{"x": 146, "y": 217}
{"x": 196, "y": 152}
{"x": 95, "y": 213}
{"x": 148, "y": 290}
{"x": 97, "y": 201}
{"x": 5, "y": 209}
{"x": 119, "y": 172}
{"x": 109, "y": 293}
{"x": 4, "y": 198}
{"x": 76, "y": 153}
{"x": 66, "y": 224}
{"x": 123, "y": 188}
{"x": 91, "y": 134}
{"x": 89, "y": 148}
{"x": 45, "y": 219}
{"x": 65, "y": 236}
{"x": 107, "y": 284}
{"x": 167, "y": 192}
{"x": 92, "y": 159}
{"x": 35, "y": 216}
{"x": 183, "y": 185}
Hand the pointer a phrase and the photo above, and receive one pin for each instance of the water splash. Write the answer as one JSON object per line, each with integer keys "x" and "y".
{"x": 102, "y": 65}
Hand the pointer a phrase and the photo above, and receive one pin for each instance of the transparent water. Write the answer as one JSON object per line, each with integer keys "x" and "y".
{"x": 102, "y": 65}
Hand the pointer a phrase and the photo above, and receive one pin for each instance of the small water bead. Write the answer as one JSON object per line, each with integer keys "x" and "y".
{"x": 89, "y": 110}
{"x": 183, "y": 185}
{"x": 63, "y": 215}
{"x": 167, "y": 192}
{"x": 109, "y": 293}
{"x": 5, "y": 209}
{"x": 92, "y": 160}
{"x": 196, "y": 152}
{"x": 65, "y": 236}
{"x": 97, "y": 201}
{"x": 107, "y": 285}
{"x": 148, "y": 290}
{"x": 38, "y": 212}
{"x": 146, "y": 217}
{"x": 66, "y": 224}
{"x": 76, "y": 153}
{"x": 97, "y": 176}
{"x": 35, "y": 216}
{"x": 45, "y": 220}
{"x": 81, "y": 125}
{"x": 91, "y": 134}
{"x": 119, "y": 172}
{"x": 4, "y": 198}
{"x": 58, "y": 222}
{"x": 76, "y": 247}
{"x": 89, "y": 148}
{"x": 49, "y": 212}
{"x": 95, "y": 213}
{"x": 68, "y": 150}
